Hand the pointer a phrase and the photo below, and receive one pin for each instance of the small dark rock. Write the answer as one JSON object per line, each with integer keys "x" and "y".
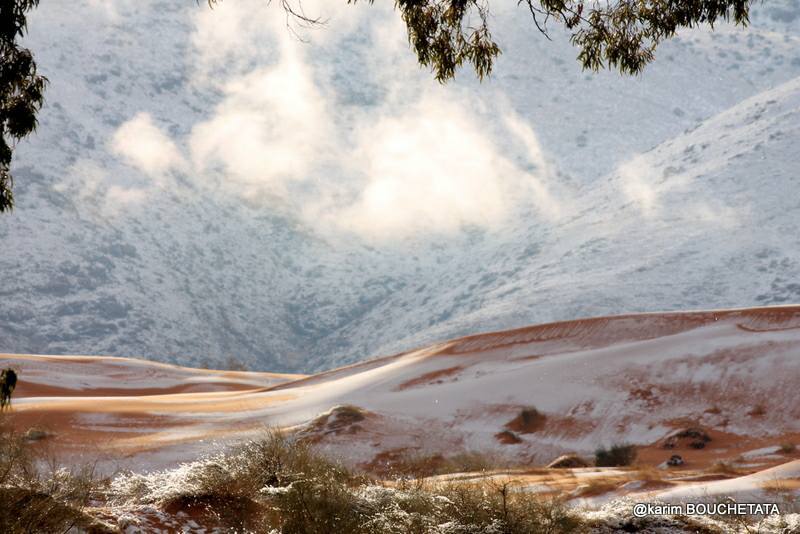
{"x": 35, "y": 434}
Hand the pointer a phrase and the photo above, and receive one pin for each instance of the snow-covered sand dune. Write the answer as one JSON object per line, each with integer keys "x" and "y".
{"x": 593, "y": 382}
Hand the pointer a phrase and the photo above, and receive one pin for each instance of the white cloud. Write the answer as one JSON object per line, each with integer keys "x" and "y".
{"x": 434, "y": 168}
{"x": 636, "y": 183}
{"x": 230, "y": 39}
{"x": 428, "y": 169}
{"x": 658, "y": 191}
{"x": 267, "y": 132}
{"x": 535, "y": 187}
{"x": 144, "y": 146}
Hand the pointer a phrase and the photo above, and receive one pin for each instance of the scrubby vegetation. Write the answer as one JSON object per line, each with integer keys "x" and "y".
{"x": 277, "y": 483}
{"x": 615, "y": 456}
{"x": 38, "y": 496}
{"x": 281, "y": 485}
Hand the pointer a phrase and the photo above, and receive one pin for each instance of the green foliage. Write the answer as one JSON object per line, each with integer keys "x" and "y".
{"x": 445, "y": 34}
{"x": 615, "y": 456}
{"x": 21, "y": 90}
{"x": 621, "y": 34}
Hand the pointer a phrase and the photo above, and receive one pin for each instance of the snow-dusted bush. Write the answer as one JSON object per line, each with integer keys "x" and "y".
{"x": 36, "y": 495}
{"x": 280, "y": 484}
{"x": 615, "y": 456}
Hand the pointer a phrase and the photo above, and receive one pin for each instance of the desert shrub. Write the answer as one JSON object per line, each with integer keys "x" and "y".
{"x": 528, "y": 420}
{"x": 615, "y": 456}
{"x": 232, "y": 489}
{"x": 273, "y": 461}
{"x": 338, "y": 420}
{"x": 323, "y": 505}
{"x": 318, "y": 505}
{"x": 491, "y": 507}
{"x": 39, "y": 497}
{"x": 788, "y": 448}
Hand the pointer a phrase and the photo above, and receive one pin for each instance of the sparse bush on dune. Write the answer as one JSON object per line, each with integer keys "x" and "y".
{"x": 615, "y": 456}
{"x": 37, "y": 497}
{"x": 507, "y": 437}
{"x": 528, "y": 420}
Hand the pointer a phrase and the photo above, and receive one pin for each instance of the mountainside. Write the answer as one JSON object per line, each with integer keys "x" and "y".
{"x": 703, "y": 218}
{"x": 147, "y": 227}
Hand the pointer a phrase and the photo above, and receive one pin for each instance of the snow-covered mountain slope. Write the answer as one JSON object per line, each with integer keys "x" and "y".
{"x": 583, "y": 384}
{"x": 187, "y": 257}
{"x": 707, "y": 217}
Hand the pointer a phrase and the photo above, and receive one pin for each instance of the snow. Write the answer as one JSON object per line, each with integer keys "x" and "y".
{"x": 762, "y": 452}
{"x": 750, "y": 488}
{"x": 617, "y": 516}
